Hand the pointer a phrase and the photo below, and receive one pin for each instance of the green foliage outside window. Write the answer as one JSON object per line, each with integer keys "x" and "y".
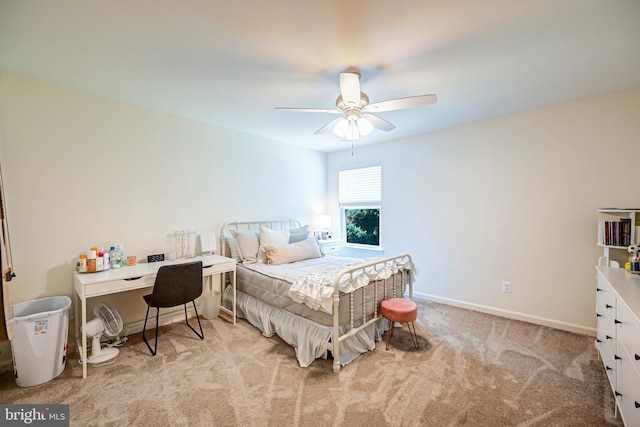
{"x": 363, "y": 226}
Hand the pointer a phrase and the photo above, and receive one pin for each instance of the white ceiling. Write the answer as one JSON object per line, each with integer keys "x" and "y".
{"x": 230, "y": 62}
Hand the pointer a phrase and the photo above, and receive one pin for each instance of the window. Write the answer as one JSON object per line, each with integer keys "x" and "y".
{"x": 360, "y": 200}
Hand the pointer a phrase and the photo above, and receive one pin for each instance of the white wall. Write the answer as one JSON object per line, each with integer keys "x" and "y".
{"x": 82, "y": 170}
{"x": 508, "y": 199}
{"x": 511, "y": 199}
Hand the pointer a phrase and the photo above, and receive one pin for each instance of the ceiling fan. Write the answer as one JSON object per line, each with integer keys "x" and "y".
{"x": 357, "y": 119}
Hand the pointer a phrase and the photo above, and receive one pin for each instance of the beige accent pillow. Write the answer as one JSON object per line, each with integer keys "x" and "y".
{"x": 248, "y": 245}
{"x": 271, "y": 237}
{"x": 292, "y": 252}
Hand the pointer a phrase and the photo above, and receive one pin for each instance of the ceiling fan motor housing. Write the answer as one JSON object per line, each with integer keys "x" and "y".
{"x": 343, "y": 106}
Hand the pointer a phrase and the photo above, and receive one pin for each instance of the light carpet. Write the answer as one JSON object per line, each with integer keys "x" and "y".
{"x": 472, "y": 369}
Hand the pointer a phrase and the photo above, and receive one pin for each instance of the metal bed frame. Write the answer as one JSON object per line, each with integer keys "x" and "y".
{"x": 356, "y": 324}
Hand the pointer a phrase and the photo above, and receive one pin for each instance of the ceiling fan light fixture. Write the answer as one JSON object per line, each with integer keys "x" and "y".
{"x": 340, "y": 129}
{"x": 352, "y": 128}
{"x": 365, "y": 127}
{"x": 353, "y": 133}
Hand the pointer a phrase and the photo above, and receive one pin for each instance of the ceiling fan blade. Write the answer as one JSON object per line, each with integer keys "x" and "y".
{"x": 309, "y": 110}
{"x": 328, "y": 126}
{"x": 379, "y": 123}
{"x": 401, "y": 103}
{"x": 350, "y": 88}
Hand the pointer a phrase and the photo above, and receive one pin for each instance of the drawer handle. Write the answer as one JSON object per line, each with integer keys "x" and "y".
{"x": 617, "y": 394}
{"x": 133, "y": 278}
{"x": 598, "y": 315}
{"x": 637, "y": 404}
{"x": 608, "y": 306}
{"x": 616, "y": 357}
{"x": 599, "y": 341}
{"x": 616, "y": 321}
{"x": 598, "y": 290}
{"x": 608, "y": 337}
{"x": 637, "y": 356}
{"x": 608, "y": 368}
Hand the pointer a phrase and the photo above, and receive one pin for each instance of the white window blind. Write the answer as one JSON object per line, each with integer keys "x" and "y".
{"x": 361, "y": 186}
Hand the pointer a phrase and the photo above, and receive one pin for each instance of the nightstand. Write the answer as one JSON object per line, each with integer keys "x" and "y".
{"x": 330, "y": 246}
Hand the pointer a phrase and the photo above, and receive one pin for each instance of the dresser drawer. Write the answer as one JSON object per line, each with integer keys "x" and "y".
{"x": 628, "y": 331}
{"x": 605, "y": 298}
{"x": 606, "y": 331}
{"x": 629, "y": 388}
{"x": 609, "y": 364}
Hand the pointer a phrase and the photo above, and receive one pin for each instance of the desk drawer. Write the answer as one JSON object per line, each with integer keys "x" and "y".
{"x": 218, "y": 268}
{"x": 114, "y": 286}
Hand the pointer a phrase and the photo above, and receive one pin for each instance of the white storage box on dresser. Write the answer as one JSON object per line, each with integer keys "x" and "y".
{"x": 618, "y": 337}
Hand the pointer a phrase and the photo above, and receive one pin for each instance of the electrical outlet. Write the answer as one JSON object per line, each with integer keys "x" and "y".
{"x": 506, "y": 287}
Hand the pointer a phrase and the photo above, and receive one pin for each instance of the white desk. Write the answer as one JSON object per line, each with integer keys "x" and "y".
{"x": 139, "y": 276}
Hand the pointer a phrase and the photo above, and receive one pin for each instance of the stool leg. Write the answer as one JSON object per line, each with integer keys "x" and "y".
{"x": 414, "y": 335}
{"x": 389, "y": 335}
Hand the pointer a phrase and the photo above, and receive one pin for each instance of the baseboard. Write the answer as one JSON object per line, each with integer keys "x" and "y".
{"x": 556, "y": 324}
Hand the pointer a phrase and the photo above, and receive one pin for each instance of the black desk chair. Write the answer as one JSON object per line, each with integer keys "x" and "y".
{"x": 175, "y": 285}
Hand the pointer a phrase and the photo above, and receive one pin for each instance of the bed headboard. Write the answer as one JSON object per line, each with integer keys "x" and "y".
{"x": 274, "y": 224}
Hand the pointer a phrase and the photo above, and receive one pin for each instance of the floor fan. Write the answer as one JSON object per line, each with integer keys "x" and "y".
{"x": 107, "y": 321}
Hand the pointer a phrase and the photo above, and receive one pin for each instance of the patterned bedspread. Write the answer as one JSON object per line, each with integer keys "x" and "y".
{"x": 312, "y": 281}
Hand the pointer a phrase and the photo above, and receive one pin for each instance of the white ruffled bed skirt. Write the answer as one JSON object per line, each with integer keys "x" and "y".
{"x": 309, "y": 339}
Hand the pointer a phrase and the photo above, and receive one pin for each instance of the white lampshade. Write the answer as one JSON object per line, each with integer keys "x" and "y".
{"x": 207, "y": 242}
{"x": 323, "y": 222}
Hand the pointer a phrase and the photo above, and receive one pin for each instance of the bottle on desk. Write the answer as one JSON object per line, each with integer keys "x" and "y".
{"x": 82, "y": 263}
{"x": 115, "y": 257}
{"x": 91, "y": 261}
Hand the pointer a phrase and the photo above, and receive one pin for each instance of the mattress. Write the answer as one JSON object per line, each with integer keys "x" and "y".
{"x": 275, "y": 292}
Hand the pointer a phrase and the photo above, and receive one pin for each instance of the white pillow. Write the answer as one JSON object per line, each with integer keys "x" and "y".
{"x": 248, "y": 245}
{"x": 271, "y": 237}
{"x": 299, "y": 234}
{"x": 292, "y": 252}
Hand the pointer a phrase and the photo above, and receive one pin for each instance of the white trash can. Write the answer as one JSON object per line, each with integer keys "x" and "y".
{"x": 39, "y": 339}
{"x": 211, "y": 305}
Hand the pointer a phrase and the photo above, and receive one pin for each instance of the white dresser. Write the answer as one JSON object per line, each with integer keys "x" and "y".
{"x": 618, "y": 337}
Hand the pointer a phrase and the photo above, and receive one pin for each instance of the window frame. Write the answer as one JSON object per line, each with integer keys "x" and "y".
{"x": 371, "y": 204}
{"x": 343, "y": 226}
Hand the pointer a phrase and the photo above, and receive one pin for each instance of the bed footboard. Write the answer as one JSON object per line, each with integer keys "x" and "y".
{"x": 389, "y": 278}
